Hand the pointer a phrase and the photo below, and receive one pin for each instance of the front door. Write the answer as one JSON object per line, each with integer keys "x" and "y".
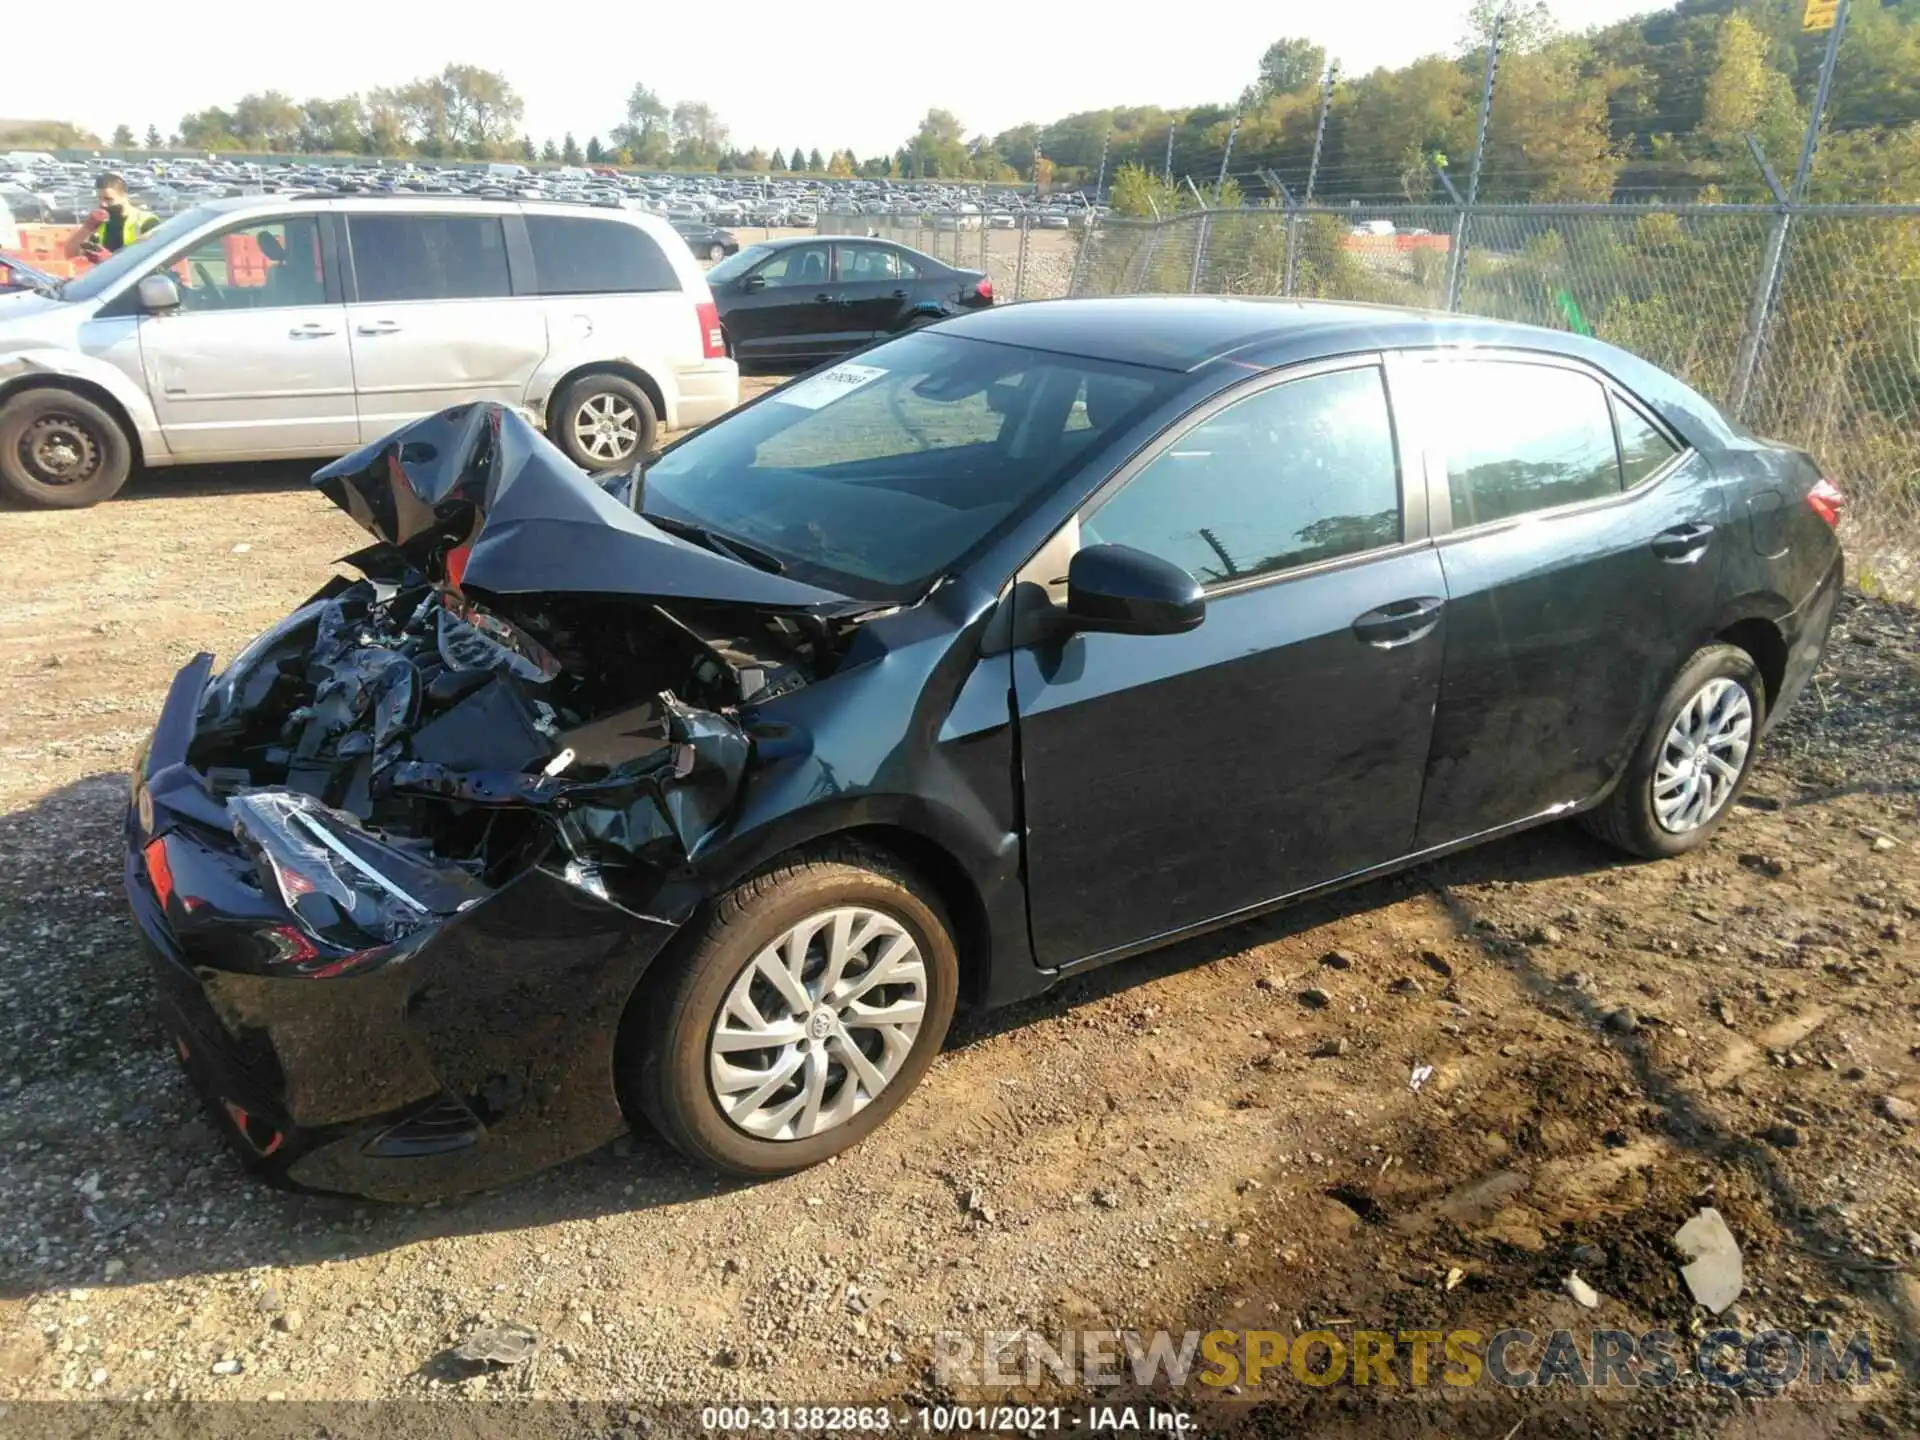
{"x": 256, "y": 361}
{"x": 1172, "y": 780}
{"x": 787, "y": 307}
{"x": 434, "y": 318}
{"x": 1573, "y": 582}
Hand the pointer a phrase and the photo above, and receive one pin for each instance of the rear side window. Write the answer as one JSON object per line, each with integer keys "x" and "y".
{"x": 1643, "y": 449}
{"x": 1303, "y": 472}
{"x": 429, "y": 257}
{"x": 1520, "y": 438}
{"x": 596, "y": 257}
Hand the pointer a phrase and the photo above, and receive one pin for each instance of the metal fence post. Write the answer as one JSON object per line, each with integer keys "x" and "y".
{"x": 1075, "y": 279}
{"x": 1753, "y": 346}
{"x": 1457, "y": 269}
{"x": 1020, "y": 262}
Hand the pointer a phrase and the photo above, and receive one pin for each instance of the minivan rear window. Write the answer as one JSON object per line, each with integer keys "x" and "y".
{"x": 429, "y": 257}
{"x": 581, "y": 256}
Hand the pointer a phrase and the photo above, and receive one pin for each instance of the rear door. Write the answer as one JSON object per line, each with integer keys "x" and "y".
{"x": 1576, "y": 586}
{"x": 434, "y": 316}
{"x": 609, "y": 292}
{"x": 255, "y": 362}
{"x": 875, "y": 285}
{"x": 1171, "y": 780}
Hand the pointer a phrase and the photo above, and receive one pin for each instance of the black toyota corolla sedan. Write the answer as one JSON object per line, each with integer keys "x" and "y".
{"x": 799, "y": 301}
{"x": 1013, "y": 646}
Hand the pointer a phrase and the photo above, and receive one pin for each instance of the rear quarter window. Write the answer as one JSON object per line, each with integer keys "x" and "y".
{"x": 581, "y": 256}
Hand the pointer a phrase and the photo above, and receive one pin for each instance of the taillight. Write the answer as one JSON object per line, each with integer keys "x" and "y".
{"x": 984, "y": 289}
{"x": 1826, "y": 500}
{"x": 159, "y": 873}
{"x": 712, "y": 338}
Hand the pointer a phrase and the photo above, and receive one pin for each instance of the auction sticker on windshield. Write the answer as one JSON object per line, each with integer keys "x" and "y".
{"x": 817, "y": 391}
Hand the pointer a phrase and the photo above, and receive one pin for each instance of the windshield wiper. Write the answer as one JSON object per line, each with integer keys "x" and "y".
{"x": 720, "y": 544}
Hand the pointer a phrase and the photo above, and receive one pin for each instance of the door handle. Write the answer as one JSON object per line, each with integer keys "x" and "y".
{"x": 1683, "y": 544}
{"x": 1400, "y": 623}
{"x": 825, "y": 299}
{"x": 377, "y": 327}
{"x": 901, "y": 294}
{"x": 311, "y": 331}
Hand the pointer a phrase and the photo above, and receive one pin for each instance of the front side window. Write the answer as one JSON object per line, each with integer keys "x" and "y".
{"x": 1519, "y": 437}
{"x": 577, "y": 256}
{"x": 878, "y": 475}
{"x": 429, "y": 257}
{"x": 255, "y": 266}
{"x": 802, "y": 265}
{"x": 92, "y": 283}
{"x": 1293, "y": 475}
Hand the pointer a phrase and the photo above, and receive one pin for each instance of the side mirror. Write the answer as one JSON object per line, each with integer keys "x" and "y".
{"x": 158, "y": 293}
{"x": 753, "y": 283}
{"x": 1124, "y": 591}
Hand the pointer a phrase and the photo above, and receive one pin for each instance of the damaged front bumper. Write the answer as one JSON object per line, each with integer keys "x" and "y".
{"x": 363, "y": 1020}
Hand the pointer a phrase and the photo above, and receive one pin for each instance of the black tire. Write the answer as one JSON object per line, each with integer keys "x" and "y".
{"x": 589, "y": 389}
{"x": 716, "y": 252}
{"x": 663, "y": 1051}
{"x": 1626, "y": 820}
{"x": 60, "y": 450}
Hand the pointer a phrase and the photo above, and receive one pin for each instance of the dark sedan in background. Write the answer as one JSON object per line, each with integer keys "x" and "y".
{"x": 798, "y": 301}
{"x": 1021, "y": 644}
{"x": 710, "y": 242}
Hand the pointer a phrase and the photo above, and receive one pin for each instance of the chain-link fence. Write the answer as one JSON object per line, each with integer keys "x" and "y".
{"x": 1803, "y": 321}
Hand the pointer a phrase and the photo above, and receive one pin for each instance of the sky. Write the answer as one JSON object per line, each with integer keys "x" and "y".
{"x": 831, "y": 76}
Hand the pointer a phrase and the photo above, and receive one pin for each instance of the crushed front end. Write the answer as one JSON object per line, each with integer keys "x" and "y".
{"x": 401, "y": 866}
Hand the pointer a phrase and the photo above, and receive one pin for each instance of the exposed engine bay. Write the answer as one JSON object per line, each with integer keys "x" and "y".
{"x": 398, "y": 747}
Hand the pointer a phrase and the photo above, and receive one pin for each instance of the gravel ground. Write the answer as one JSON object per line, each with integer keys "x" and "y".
{"x": 1222, "y": 1134}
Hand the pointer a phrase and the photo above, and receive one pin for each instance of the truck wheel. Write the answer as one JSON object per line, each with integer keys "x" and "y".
{"x": 61, "y": 451}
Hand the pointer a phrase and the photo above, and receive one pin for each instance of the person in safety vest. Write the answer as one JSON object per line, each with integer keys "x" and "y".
{"x": 114, "y": 224}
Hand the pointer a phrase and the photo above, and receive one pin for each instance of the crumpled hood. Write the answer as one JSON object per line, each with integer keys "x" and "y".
{"x": 479, "y": 479}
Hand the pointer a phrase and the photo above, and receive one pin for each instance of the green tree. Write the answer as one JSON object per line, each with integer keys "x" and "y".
{"x": 648, "y": 129}
{"x": 550, "y": 152}
{"x": 815, "y": 164}
{"x": 776, "y": 161}
{"x": 155, "y": 140}
{"x": 796, "y": 159}
{"x": 528, "y": 152}
{"x": 1746, "y": 94}
{"x": 122, "y": 137}
{"x": 595, "y": 154}
{"x": 1287, "y": 65}
{"x": 699, "y": 137}
{"x": 330, "y": 126}
{"x": 569, "y": 150}
{"x": 938, "y": 147}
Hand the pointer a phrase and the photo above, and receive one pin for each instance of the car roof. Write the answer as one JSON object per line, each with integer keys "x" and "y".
{"x": 1185, "y": 332}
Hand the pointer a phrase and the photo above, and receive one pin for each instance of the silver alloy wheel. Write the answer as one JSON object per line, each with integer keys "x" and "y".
{"x": 1704, "y": 756}
{"x": 607, "y": 426}
{"x": 818, "y": 1024}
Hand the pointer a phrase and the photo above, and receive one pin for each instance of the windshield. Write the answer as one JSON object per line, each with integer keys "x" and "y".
{"x": 881, "y": 474}
{"x": 737, "y": 263}
{"x": 91, "y": 283}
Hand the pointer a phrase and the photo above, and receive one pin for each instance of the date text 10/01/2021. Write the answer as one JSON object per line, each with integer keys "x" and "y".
{"x": 944, "y": 1419}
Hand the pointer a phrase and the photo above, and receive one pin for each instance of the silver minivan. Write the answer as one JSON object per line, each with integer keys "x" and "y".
{"x": 268, "y": 327}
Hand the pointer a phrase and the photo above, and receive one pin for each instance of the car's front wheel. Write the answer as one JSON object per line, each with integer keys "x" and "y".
{"x": 797, "y": 1017}
{"x": 60, "y": 450}
{"x": 603, "y": 420}
{"x": 1693, "y": 760}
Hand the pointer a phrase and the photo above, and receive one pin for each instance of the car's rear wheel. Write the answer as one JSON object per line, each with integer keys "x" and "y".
{"x": 60, "y": 450}
{"x": 603, "y": 420}
{"x": 797, "y": 1017}
{"x": 1693, "y": 760}
{"x": 716, "y": 252}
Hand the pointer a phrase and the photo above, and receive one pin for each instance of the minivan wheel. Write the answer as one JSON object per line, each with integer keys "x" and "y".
{"x": 603, "y": 420}
{"x": 716, "y": 253}
{"x": 61, "y": 451}
{"x": 799, "y": 1016}
{"x": 1692, "y": 762}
